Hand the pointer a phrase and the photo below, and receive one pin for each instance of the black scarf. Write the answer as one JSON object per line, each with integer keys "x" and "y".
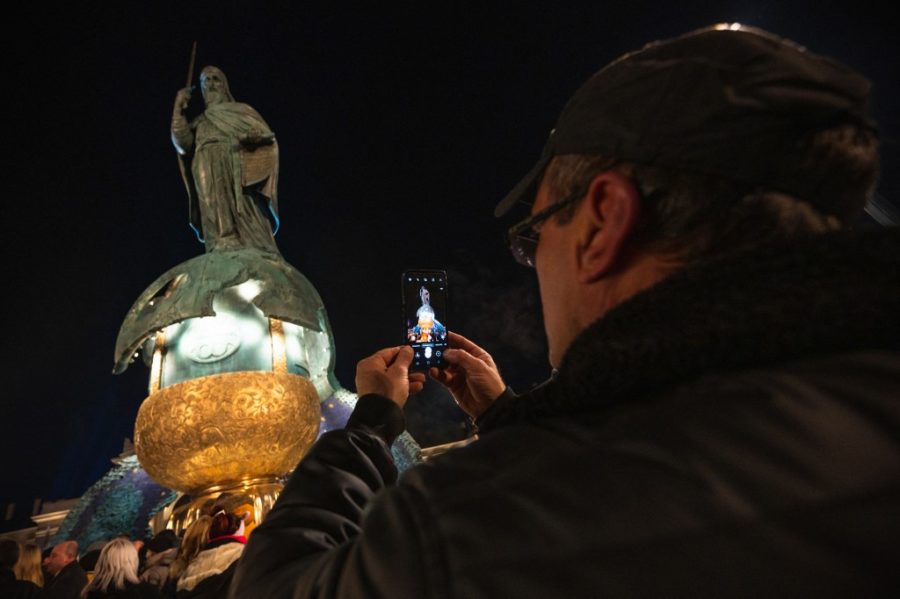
{"x": 755, "y": 308}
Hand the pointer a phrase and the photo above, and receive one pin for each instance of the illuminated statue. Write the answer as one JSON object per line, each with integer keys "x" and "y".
{"x": 229, "y": 161}
{"x": 238, "y": 342}
{"x": 427, "y": 328}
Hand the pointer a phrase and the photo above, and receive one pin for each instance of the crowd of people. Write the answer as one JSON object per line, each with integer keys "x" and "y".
{"x": 198, "y": 564}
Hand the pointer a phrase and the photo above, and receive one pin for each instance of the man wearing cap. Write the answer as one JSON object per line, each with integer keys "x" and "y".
{"x": 725, "y": 415}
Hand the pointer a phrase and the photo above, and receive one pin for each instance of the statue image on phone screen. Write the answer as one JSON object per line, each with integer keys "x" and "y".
{"x": 428, "y": 328}
{"x": 425, "y": 306}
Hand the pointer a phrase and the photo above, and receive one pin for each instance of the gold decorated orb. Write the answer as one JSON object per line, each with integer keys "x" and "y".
{"x": 241, "y": 355}
{"x": 226, "y": 428}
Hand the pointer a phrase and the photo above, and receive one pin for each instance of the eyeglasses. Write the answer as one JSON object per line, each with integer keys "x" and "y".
{"x": 523, "y": 237}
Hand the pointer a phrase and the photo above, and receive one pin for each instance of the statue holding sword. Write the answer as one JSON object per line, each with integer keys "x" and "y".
{"x": 229, "y": 162}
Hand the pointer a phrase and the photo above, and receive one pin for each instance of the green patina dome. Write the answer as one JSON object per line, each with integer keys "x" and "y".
{"x": 187, "y": 291}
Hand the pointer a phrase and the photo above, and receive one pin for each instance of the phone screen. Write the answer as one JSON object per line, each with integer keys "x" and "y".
{"x": 424, "y": 316}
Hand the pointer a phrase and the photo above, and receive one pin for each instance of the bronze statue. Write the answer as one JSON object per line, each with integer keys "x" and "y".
{"x": 229, "y": 161}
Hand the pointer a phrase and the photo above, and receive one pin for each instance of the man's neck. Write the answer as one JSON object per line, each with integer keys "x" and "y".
{"x": 592, "y": 301}
{"x": 641, "y": 271}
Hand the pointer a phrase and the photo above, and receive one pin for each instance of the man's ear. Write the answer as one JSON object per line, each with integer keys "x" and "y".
{"x": 610, "y": 214}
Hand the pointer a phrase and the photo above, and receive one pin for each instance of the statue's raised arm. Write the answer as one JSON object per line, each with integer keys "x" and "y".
{"x": 229, "y": 161}
{"x": 182, "y": 135}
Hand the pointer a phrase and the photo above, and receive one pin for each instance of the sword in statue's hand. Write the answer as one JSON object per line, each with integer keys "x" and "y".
{"x": 191, "y": 64}
{"x": 186, "y": 95}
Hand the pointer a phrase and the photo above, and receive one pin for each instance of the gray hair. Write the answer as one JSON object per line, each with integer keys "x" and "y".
{"x": 691, "y": 215}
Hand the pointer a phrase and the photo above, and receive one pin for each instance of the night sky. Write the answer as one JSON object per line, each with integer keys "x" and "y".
{"x": 399, "y": 129}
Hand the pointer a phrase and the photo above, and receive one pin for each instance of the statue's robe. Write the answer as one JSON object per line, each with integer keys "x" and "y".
{"x": 231, "y": 175}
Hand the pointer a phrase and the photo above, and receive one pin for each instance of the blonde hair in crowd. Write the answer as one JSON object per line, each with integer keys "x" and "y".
{"x": 195, "y": 538}
{"x": 118, "y": 563}
{"x": 29, "y": 565}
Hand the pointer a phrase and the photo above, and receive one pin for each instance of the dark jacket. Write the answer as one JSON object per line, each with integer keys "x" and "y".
{"x": 67, "y": 584}
{"x": 733, "y": 431}
{"x": 144, "y": 590}
{"x": 10, "y": 588}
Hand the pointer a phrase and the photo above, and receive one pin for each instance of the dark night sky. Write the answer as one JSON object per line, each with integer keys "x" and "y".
{"x": 399, "y": 129}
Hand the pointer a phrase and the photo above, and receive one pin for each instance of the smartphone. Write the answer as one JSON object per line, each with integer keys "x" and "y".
{"x": 425, "y": 301}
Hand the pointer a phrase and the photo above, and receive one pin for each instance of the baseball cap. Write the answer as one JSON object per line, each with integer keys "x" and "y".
{"x": 727, "y": 100}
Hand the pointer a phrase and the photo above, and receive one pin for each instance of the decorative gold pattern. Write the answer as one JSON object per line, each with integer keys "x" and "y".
{"x": 226, "y": 428}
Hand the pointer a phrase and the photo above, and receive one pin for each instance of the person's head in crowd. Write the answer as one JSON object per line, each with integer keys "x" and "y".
{"x": 9, "y": 554}
{"x": 196, "y": 536}
{"x": 206, "y": 507}
{"x": 162, "y": 549}
{"x": 88, "y": 561}
{"x": 163, "y": 541}
{"x": 244, "y": 511}
{"x": 117, "y": 564}
{"x": 61, "y": 556}
{"x": 29, "y": 565}
{"x": 757, "y": 140}
{"x": 241, "y": 506}
{"x": 225, "y": 523}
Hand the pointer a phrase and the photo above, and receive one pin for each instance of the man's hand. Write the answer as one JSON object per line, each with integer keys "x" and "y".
{"x": 386, "y": 373}
{"x": 472, "y": 377}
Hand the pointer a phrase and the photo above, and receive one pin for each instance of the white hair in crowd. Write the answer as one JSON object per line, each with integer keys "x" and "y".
{"x": 118, "y": 563}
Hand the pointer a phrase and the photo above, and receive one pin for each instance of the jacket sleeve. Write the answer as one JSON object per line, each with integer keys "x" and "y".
{"x": 495, "y": 411}
{"x": 340, "y": 527}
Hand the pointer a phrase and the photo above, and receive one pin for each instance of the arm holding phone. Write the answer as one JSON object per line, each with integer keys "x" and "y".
{"x": 316, "y": 542}
{"x": 471, "y": 376}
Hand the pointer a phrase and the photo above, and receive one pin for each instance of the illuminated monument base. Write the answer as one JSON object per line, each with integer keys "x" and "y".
{"x": 226, "y": 428}
{"x": 235, "y": 432}
{"x": 253, "y": 497}
{"x": 242, "y": 380}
